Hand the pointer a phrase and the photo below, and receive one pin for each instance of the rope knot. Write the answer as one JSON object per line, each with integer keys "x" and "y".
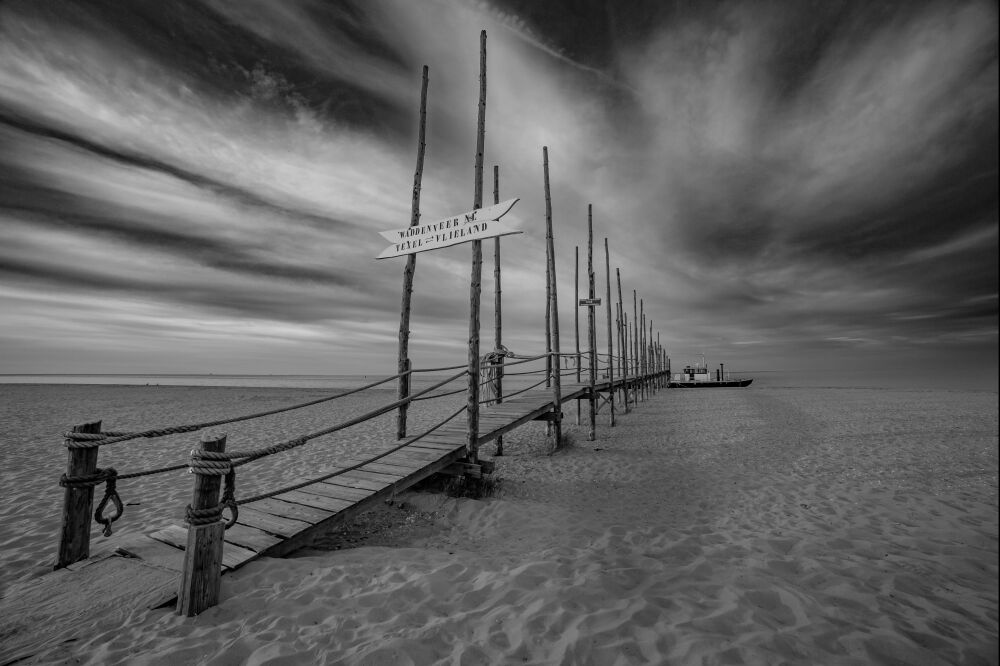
{"x": 110, "y": 495}
{"x": 213, "y": 514}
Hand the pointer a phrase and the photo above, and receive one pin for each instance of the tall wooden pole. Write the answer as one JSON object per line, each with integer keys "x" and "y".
{"x": 548, "y": 324}
{"x": 611, "y": 347}
{"x": 472, "y": 407}
{"x": 623, "y": 348}
{"x": 497, "y": 307}
{"x": 591, "y": 325}
{"x": 635, "y": 343}
{"x": 642, "y": 348}
{"x": 628, "y": 356}
{"x": 659, "y": 352}
{"x": 553, "y": 305}
{"x": 576, "y": 316}
{"x": 411, "y": 266}
{"x": 652, "y": 364}
{"x": 621, "y": 355}
{"x": 576, "y": 322}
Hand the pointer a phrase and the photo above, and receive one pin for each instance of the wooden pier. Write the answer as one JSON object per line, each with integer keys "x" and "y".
{"x": 144, "y": 571}
{"x": 186, "y": 563}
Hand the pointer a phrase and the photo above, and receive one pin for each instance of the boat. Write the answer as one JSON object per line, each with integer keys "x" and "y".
{"x": 697, "y": 375}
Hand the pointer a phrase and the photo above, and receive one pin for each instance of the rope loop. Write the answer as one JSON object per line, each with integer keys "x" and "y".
{"x": 229, "y": 498}
{"x": 213, "y": 514}
{"x": 110, "y": 495}
{"x": 87, "y": 480}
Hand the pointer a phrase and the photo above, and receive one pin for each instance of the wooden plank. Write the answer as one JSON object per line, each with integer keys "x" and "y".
{"x": 174, "y": 535}
{"x": 283, "y": 527}
{"x": 282, "y": 509}
{"x": 418, "y": 456}
{"x": 153, "y": 552}
{"x": 376, "y": 477}
{"x": 66, "y": 606}
{"x": 397, "y": 467}
{"x": 349, "y": 480}
{"x": 334, "y": 491}
{"x": 235, "y": 555}
{"x": 306, "y": 536}
{"x": 439, "y": 443}
{"x": 250, "y": 537}
{"x": 319, "y": 501}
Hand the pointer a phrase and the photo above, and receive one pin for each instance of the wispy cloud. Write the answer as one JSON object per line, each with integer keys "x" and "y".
{"x": 771, "y": 177}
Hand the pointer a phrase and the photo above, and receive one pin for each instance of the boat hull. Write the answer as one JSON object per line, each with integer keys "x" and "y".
{"x": 735, "y": 383}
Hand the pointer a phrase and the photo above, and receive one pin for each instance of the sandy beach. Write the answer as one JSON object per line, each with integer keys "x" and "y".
{"x": 761, "y": 526}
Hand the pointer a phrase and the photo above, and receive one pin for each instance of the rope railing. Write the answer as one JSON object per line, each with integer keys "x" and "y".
{"x": 79, "y": 440}
{"x": 110, "y": 476}
{"x": 524, "y": 390}
{"x": 345, "y": 470}
{"x": 524, "y": 372}
{"x": 212, "y": 460}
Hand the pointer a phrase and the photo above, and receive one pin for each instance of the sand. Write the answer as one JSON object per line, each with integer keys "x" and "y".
{"x": 758, "y": 526}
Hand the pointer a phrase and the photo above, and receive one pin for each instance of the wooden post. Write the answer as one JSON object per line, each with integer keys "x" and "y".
{"x": 651, "y": 366}
{"x": 611, "y": 347}
{"x": 411, "y": 265}
{"x": 553, "y": 304}
{"x": 576, "y": 323}
{"x": 497, "y": 307}
{"x": 621, "y": 356}
{"x": 643, "y": 371}
{"x": 635, "y": 344}
{"x": 548, "y": 322}
{"x": 472, "y": 406}
{"x": 576, "y": 316}
{"x": 659, "y": 351}
{"x": 201, "y": 580}
{"x": 629, "y": 373}
{"x": 623, "y": 347}
{"x": 78, "y": 502}
{"x": 591, "y": 325}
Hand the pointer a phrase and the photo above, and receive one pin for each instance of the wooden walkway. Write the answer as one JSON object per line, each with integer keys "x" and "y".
{"x": 143, "y": 572}
{"x": 282, "y": 524}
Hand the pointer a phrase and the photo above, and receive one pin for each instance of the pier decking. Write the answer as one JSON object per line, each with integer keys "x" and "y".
{"x": 277, "y": 526}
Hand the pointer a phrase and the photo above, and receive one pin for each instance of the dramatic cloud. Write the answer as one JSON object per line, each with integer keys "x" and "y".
{"x": 199, "y": 186}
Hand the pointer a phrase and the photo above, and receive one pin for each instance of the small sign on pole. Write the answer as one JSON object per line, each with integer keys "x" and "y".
{"x": 590, "y": 302}
{"x": 473, "y": 225}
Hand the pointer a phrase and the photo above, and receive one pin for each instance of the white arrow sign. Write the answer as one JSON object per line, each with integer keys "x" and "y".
{"x": 470, "y": 226}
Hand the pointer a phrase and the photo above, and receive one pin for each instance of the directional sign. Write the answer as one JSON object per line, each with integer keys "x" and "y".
{"x": 470, "y": 226}
{"x": 589, "y": 302}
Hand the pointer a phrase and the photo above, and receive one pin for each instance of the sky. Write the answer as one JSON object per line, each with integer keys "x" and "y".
{"x": 198, "y": 186}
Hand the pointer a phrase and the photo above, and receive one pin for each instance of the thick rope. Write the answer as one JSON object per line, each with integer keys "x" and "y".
{"x": 213, "y": 514}
{"x": 535, "y": 385}
{"x": 345, "y": 470}
{"x": 80, "y": 440}
{"x": 491, "y": 368}
{"x": 107, "y": 476}
{"x": 219, "y": 462}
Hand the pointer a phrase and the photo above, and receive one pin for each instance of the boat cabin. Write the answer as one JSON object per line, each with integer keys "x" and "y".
{"x": 693, "y": 373}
